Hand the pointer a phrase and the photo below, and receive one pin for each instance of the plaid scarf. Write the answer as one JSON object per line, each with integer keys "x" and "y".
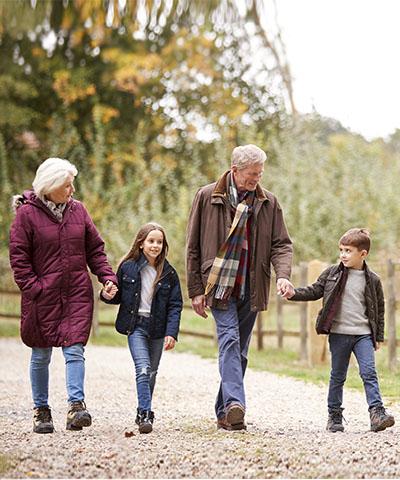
{"x": 230, "y": 265}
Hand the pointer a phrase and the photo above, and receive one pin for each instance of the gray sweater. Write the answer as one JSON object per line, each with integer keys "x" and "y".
{"x": 351, "y": 318}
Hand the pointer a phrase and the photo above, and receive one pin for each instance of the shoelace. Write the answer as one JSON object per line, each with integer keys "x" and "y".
{"x": 77, "y": 407}
{"x": 43, "y": 416}
{"x": 337, "y": 417}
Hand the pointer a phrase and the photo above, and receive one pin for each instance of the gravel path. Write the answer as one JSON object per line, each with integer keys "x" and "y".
{"x": 285, "y": 437}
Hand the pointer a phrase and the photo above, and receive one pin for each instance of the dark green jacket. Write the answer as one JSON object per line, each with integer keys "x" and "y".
{"x": 327, "y": 287}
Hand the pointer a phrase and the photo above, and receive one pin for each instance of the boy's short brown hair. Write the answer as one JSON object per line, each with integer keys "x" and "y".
{"x": 357, "y": 237}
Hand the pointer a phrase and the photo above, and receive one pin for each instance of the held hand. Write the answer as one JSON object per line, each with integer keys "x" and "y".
{"x": 284, "y": 288}
{"x": 109, "y": 290}
{"x": 199, "y": 305}
{"x": 169, "y": 343}
{"x": 378, "y": 345}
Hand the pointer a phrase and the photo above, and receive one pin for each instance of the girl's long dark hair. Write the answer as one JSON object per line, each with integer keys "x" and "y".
{"x": 135, "y": 251}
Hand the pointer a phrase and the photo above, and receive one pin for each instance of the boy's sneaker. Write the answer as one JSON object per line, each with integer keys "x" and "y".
{"x": 42, "y": 420}
{"x": 335, "y": 421}
{"x": 380, "y": 419}
{"x": 78, "y": 416}
{"x": 145, "y": 421}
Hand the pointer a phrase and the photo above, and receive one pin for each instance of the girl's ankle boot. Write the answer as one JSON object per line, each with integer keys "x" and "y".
{"x": 146, "y": 419}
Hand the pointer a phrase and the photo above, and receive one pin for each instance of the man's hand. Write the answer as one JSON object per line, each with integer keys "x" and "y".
{"x": 199, "y": 305}
{"x": 284, "y": 288}
{"x": 378, "y": 345}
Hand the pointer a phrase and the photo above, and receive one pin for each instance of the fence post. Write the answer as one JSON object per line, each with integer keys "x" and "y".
{"x": 316, "y": 343}
{"x": 279, "y": 320}
{"x": 260, "y": 340}
{"x": 303, "y": 316}
{"x": 96, "y": 300}
{"x": 391, "y": 315}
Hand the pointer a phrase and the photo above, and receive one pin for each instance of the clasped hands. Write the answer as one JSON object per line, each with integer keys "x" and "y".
{"x": 109, "y": 290}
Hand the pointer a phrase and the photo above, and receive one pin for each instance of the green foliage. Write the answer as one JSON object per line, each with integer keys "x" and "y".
{"x": 328, "y": 184}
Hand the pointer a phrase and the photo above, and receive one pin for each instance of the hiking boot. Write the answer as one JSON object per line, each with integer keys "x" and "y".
{"x": 145, "y": 421}
{"x": 235, "y": 416}
{"x": 78, "y": 416}
{"x": 223, "y": 424}
{"x": 42, "y": 421}
{"x": 380, "y": 419}
{"x": 335, "y": 421}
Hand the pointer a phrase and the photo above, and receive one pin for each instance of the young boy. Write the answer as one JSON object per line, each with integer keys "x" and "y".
{"x": 353, "y": 316}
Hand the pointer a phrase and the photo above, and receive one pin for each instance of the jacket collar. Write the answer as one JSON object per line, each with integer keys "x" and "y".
{"x": 142, "y": 262}
{"x": 366, "y": 269}
{"x": 29, "y": 197}
{"x": 220, "y": 189}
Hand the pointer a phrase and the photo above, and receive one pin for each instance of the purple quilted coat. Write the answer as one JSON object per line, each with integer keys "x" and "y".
{"x": 49, "y": 260}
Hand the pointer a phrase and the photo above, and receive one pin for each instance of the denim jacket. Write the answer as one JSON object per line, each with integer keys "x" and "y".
{"x": 166, "y": 304}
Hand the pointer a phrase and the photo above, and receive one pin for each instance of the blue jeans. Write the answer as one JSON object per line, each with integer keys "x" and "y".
{"x": 341, "y": 347}
{"x": 234, "y": 327}
{"x": 74, "y": 373}
{"x": 146, "y": 354}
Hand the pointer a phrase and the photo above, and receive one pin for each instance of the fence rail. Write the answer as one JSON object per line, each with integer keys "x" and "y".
{"x": 312, "y": 348}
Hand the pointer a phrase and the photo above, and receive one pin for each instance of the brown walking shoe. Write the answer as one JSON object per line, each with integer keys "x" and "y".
{"x": 235, "y": 415}
{"x": 380, "y": 419}
{"x": 224, "y": 425}
{"x": 42, "y": 420}
{"x": 78, "y": 416}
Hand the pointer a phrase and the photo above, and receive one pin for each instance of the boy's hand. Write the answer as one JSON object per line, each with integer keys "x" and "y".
{"x": 109, "y": 290}
{"x": 284, "y": 288}
{"x": 169, "y": 343}
{"x": 378, "y": 345}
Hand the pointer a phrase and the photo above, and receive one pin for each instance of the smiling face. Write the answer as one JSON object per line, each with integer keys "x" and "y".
{"x": 63, "y": 193}
{"x": 246, "y": 179}
{"x": 352, "y": 257}
{"x": 152, "y": 245}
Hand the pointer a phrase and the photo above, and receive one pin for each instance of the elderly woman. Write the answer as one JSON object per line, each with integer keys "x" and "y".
{"x": 230, "y": 269}
{"x": 52, "y": 241}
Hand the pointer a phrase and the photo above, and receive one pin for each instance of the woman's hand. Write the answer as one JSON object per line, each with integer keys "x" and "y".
{"x": 109, "y": 290}
{"x": 169, "y": 343}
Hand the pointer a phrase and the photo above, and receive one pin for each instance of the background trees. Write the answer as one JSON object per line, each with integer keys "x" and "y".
{"x": 148, "y": 98}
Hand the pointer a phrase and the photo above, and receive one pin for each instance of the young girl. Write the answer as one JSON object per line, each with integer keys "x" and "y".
{"x": 150, "y": 299}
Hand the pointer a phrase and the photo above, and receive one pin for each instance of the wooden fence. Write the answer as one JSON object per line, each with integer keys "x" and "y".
{"x": 312, "y": 347}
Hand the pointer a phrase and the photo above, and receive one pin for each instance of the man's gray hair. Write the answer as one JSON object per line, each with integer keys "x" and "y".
{"x": 51, "y": 174}
{"x": 247, "y": 155}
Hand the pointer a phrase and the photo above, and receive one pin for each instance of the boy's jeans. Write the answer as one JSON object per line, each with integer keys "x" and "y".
{"x": 74, "y": 373}
{"x": 146, "y": 353}
{"x": 341, "y": 347}
{"x": 234, "y": 327}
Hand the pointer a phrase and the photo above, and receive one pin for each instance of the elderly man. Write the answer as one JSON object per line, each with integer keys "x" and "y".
{"x": 236, "y": 230}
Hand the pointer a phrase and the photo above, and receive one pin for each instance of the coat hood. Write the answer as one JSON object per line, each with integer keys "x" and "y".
{"x": 22, "y": 199}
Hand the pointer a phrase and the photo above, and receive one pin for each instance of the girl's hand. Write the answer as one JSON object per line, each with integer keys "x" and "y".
{"x": 169, "y": 343}
{"x": 109, "y": 290}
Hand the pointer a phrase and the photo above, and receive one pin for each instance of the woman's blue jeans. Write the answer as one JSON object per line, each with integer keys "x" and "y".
{"x": 74, "y": 373}
{"x": 341, "y": 347}
{"x": 146, "y": 354}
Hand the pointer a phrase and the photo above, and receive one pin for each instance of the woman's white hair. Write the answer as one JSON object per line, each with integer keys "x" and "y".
{"x": 247, "y": 155}
{"x": 51, "y": 174}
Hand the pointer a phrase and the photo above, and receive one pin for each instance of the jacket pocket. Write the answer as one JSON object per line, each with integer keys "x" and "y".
{"x": 205, "y": 270}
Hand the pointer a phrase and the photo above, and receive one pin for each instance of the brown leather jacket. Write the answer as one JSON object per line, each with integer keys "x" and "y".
{"x": 327, "y": 288}
{"x": 208, "y": 227}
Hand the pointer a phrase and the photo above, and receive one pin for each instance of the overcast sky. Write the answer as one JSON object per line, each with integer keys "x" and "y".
{"x": 345, "y": 59}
